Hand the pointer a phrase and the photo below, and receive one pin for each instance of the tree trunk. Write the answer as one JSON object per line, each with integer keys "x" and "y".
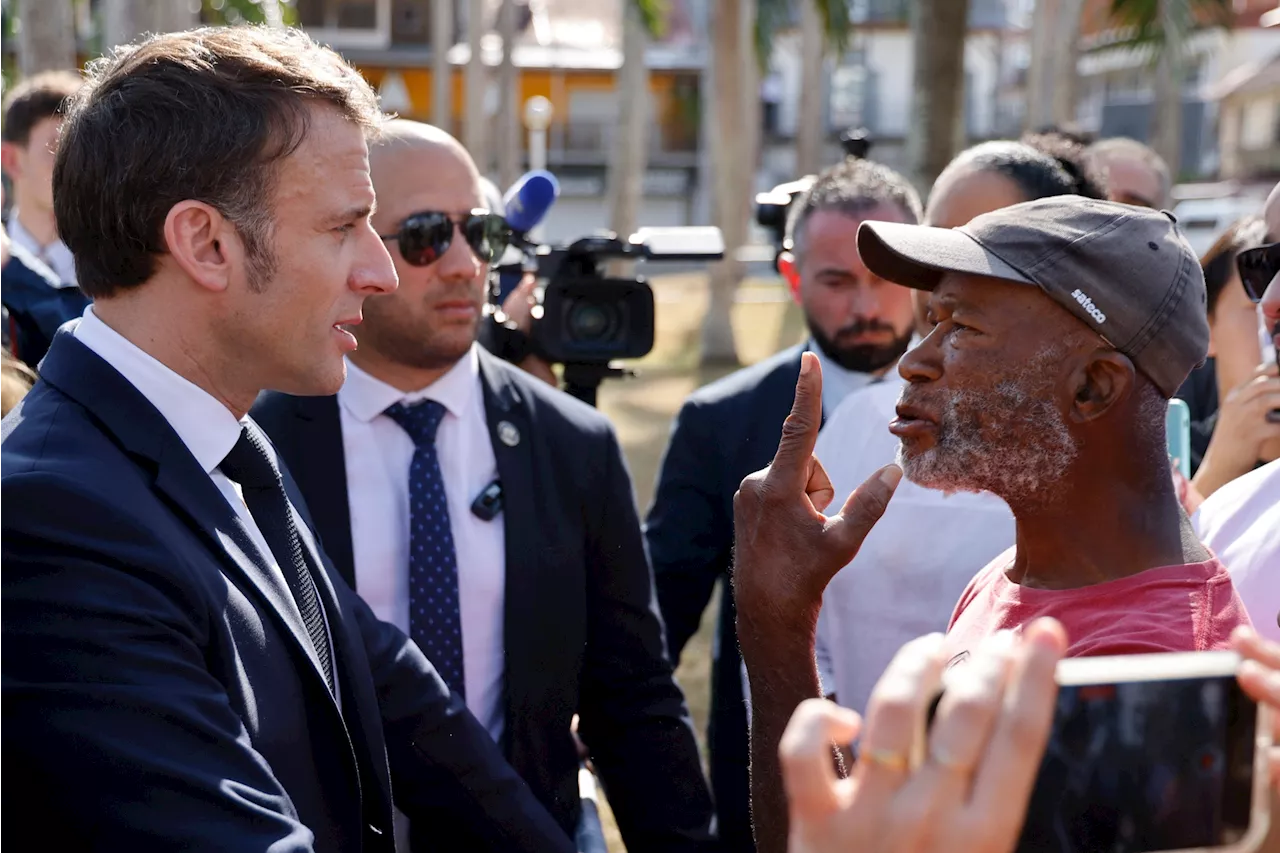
{"x": 810, "y": 127}
{"x": 477, "y": 78}
{"x": 1052, "y": 81}
{"x": 1066, "y": 74}
{"x": 441, "y": 71}
{"x": 1166, "y": 117}
{"x": 509, "y": 136}
{"x": 125, "y": 21}
{"x": 733, "y": 165}
{"x": 938, "y": 30}
{"x": 47, "y": 41}
{"x": 627, "y": 161}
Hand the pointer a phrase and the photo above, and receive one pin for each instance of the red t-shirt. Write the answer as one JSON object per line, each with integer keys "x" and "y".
{"x": 1170, "y": 609}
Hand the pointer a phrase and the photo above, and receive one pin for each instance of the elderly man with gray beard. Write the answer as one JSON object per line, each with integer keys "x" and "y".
{"x": 1063, "y": 326}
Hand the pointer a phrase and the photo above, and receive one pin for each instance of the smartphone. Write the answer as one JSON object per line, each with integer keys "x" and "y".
{"x": 1160, "y": 752}
{"x": 1178, "y": 428}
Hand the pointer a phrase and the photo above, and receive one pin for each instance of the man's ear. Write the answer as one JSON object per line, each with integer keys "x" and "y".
{"x": 789, "y": 267}
{"x": 1103, "y": 380}
{"x": 11, "y": 159}
{"x": 203, "y": 243}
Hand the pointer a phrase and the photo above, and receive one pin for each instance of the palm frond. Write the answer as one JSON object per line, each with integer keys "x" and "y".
{"x": 773, "y": 15}
{"x": 653, "y": 13}
{"x": 1154, "y": 23}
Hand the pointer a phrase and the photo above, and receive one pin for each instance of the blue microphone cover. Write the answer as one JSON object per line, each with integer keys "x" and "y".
{"x": 529, "y": 199}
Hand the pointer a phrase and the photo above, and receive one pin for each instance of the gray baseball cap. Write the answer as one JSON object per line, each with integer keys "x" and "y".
{"x": 1127, "y": 272}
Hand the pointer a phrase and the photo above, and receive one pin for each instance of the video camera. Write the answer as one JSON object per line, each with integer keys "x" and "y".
{"x": 773, "y": 208}
{"x": 585, "y": 319}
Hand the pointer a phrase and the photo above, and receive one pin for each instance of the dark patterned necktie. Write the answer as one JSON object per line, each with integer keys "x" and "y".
{"x": 435, "y": 615}
{"x": 252, "y": 465}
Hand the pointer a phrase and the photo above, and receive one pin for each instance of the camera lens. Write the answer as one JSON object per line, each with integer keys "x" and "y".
{"x": 592, "y": 321}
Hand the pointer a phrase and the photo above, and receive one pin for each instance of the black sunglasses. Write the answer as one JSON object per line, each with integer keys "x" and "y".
{"x": 1257, "y": 268}
{"x": 425, "y": 236}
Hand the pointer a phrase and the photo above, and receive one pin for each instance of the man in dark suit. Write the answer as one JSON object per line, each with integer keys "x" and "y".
{"x": 858, "y": 326}
{"x": 182, "y": 668}
{"x": 492, "y": 517}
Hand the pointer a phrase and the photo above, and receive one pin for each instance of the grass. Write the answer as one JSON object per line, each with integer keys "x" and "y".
{"x": 765, "y": 321}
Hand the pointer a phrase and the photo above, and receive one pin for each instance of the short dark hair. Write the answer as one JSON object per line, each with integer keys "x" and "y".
{"x": 1072, "y": 155}
{"x": 1036, "y": 174}
{"x": 1219, "y": 263}
{"x": 853, "y": 187}
{"x": 37, "y": 98}
{"x": 205, "y": 114}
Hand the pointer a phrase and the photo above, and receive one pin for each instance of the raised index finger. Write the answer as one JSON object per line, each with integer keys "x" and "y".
{"x": 800, "y": 430}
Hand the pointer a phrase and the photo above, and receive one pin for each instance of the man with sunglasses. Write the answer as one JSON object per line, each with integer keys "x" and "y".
{"x": 1241, "y": 520}
{"x": 492, "y": 517}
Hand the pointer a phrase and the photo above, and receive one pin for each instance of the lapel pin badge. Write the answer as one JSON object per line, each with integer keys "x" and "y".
{"x": 508, "y": 434}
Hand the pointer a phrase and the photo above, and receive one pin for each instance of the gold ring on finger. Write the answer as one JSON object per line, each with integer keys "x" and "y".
{"x": 885, "y": 758}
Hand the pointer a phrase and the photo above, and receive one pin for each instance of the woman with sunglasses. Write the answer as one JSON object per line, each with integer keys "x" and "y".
{"x": 1243, "y": 432}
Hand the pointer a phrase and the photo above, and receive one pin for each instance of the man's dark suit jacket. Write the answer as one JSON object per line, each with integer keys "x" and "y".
{"x": 158, "y": 691}
{"x": 724, "y": 432}
{"x": 582, "y": 629}
{"x": 35, "y": 304}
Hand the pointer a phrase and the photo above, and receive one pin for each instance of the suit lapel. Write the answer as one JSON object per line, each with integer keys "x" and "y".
{"x": 144, "y": 433}
{"x": 505, "y": 409}
{"x": 316, "y": 459}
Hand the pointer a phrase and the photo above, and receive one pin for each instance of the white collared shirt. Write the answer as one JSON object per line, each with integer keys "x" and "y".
{"x": 378, "y": 456}
{"x": 205, "y": 425}
{"x": 839, "y": 382}
{"x": 56, "y": 256}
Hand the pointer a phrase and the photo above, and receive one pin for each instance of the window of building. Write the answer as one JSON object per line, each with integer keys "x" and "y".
{"x": 347, "y": 23}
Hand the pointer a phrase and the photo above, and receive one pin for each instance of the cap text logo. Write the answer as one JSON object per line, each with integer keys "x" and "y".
{"x": 1087, "y": 304}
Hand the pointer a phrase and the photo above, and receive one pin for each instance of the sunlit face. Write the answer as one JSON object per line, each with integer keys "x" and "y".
{"x": 30, "y": 166}
{"x": 327, "y": 261}
{"x": 861, "y": 321}
{"x": 431, "y": 321}
{"x": 981, "y": 408}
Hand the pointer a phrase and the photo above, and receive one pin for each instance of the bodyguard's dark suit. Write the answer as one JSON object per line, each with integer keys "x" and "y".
{"x": 582, "y": 631}
{"x": 158, "y": 688}
{"x": 35, "y": 304}
{"x": 724, "y": 432}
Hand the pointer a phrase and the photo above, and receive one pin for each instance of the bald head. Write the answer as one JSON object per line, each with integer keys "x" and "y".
{"x": 411, "y": 145}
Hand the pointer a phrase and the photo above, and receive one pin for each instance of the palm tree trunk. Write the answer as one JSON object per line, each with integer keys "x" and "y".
{"x": 125, "y": 21}
{"x": 477, "y": 77}
{"x": 509, "y": 136}
{"x": 938, "y": 30}
{"x": 1166, "y": 118}
{"x": 47, "y": 41}
{"x": 731, "y": 142}
{"x": 1066, "y": 76}
{"x": 441, "y": 71}
{"x": 810, "y": 128}
{"x": 628, "y": 158}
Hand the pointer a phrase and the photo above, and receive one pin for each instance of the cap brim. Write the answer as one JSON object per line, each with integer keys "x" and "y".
{"x": 919, "y": 256}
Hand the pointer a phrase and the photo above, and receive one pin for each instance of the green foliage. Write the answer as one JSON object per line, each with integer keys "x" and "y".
{"x": 1145, "y": 23}
{"x": 246, "y": 11}
{"x": 653, "y": 13}
{"x": 773, "y": 15}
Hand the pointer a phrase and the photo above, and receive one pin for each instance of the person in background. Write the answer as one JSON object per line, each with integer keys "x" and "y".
{"x": 1240, "y": 522}
{"x": 1238, "y": 435}
{"x": 858, "y": 325}
{"x": 1063, "y": 327}
{"x": 1072, "y": 155}
{"x": 33, "y": 113}
{"x": 857, "y": 634}
{"x": 16, "y": 380}
{"x": 1134, "y": 173}
{"x": 38, "y": 280}
{"x": 492, "y": 518}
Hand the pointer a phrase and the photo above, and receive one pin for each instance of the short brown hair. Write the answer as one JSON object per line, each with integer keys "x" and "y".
{"x": 35, "y": 99}
{"x": 206, "y": 115}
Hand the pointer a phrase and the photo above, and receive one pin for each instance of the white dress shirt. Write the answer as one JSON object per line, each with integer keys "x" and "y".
{"x": 56, "y": 256}
{"x": 378, "y": 456}
{"x": 1241, "y": 524}
{"x": 205, "y": 425}
{"x": 839, "y": 382}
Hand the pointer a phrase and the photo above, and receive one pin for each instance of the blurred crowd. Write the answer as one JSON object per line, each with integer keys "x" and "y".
{"x": 293, "y": 562}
